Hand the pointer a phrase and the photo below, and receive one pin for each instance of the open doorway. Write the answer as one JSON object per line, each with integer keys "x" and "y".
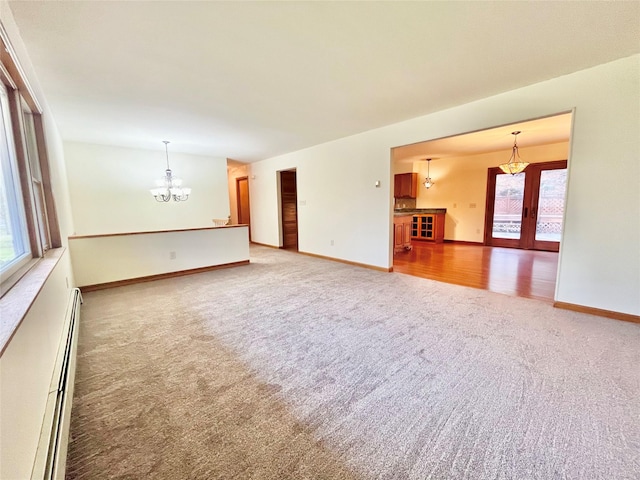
{"x": 461, "y": 169}
{"x": 242, "y": 202}
{"x": 289, "y": 209}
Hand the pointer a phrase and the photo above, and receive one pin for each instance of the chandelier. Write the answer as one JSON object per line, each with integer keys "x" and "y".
{"x": 169, "y": 187}
{"x": 428, "y": 183}
{"x": 515, "y": 163}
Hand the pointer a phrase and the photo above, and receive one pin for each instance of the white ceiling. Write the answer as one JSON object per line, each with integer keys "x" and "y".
{"x": 250, "y": 80}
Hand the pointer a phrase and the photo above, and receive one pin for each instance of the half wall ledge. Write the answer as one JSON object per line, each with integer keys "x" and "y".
{"x": 109, "y": 260}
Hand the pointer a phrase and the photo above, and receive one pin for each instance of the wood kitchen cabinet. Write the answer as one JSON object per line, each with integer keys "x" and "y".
{"x": 405, "y": 185}
{"x": 428, "y": 227}
{"x": 402, "y": 233}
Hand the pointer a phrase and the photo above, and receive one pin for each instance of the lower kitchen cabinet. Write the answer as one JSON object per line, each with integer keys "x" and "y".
{"x": 428, "y": 227}
{"x": 402, "y": 233}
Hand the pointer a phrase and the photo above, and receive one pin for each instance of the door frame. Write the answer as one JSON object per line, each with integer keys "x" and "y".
{"x": 530, "y": 199}
{"x": 281, "y": 207}
{"x": 238, "y": 201}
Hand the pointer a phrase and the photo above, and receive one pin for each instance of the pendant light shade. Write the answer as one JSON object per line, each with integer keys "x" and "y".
{"x": 515, "y": 164}
{"x": 428, "y": 183}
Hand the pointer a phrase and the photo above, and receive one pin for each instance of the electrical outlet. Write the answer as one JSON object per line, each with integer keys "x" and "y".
{"x": 332, "y": 243}
{"x": 172, "y": 255}
{"x": 472, "y": 205}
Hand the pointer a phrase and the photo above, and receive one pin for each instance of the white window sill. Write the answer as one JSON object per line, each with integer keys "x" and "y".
{"x": 15, "y": 303}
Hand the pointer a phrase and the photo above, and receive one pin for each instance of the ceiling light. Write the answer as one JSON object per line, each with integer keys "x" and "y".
{"x": 170, "y": 187}
{"x": 428, "y": 183}
{"x": 515, "y": 163}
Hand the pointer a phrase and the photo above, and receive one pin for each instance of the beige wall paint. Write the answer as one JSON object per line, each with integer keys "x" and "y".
{"x": 336, "y": 181}
{"x": 402, "y": 167}
{"x": 461, "y": 186}
{"x": 235, "y": 171}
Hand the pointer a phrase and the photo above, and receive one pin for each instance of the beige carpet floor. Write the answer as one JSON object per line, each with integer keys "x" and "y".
{"x": 299, "y": 368}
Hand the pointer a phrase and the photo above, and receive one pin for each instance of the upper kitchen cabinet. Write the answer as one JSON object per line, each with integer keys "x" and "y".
{"x": 405, "y": 185}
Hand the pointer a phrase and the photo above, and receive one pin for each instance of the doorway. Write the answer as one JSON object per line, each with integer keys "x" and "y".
{"x": 465, "y": 165}
{"x": 289, "y": 209}
{"x": 526, "y": 210}
{"x": 242, "y": 199}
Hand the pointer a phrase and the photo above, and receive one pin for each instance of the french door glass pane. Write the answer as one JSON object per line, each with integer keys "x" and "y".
{"x": 551, "y": 205}
{"x": 507, "y": 209}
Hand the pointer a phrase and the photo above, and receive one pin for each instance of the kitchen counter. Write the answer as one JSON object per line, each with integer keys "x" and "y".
{"x": 398, "y": 212}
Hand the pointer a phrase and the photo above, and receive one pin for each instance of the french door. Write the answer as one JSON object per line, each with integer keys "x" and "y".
{"x": 526, "y": 210}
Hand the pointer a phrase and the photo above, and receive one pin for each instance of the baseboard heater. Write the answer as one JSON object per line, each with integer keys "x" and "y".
{"x": 51, "y": 456}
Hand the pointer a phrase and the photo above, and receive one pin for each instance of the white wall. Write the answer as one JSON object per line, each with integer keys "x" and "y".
{"x": 109, "y": 189}
{"x": 337, "y": 200}
{"x": 600, "y": 260}
{"x": 155, "y": 253}
{"x": 234, "y": 172}
{"x": 26, "y": 366}
{"x": 461, "y": 186}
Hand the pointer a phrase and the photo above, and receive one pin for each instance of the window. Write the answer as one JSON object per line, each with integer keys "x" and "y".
{"x": 28, "y": 222}
{"x": 15, "y": 249}
{"x": 36, "y": 176}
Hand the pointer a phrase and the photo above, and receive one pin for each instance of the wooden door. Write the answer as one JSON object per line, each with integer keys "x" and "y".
{"x": 289, "y": 198}
{"x": 526, "y": 210}
{"x": 242, "y": 199}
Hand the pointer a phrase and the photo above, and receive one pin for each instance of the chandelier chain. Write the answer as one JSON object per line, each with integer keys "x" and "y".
{"x": 169, "y": 187}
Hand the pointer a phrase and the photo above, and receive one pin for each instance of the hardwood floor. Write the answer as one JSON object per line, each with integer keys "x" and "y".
{"x": 522, "y": 273}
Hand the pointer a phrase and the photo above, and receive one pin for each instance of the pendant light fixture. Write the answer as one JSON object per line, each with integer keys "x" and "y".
{"x": 515, "y": 163}
{"x": 428, "y": 183}
{"x": 170, "y": 187}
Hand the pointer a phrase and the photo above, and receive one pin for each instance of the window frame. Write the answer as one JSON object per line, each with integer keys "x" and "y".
{"x": 16, "y": 211}
{"x": 27, "y": 142}
{"x": 35, "y": 170}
